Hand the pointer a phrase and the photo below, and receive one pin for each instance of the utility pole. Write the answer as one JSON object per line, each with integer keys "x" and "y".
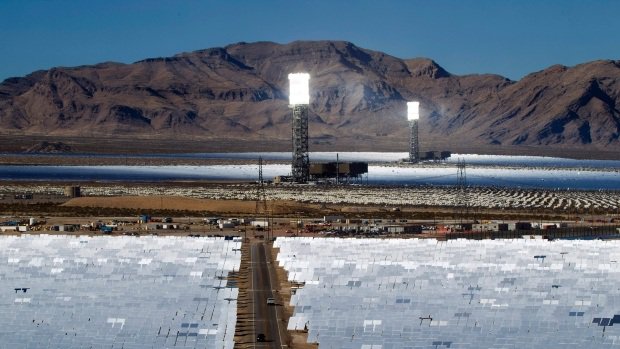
{"x": 337, "y": 170}
{"x": 261, "y": 197}
{"x": 461, "y": 199}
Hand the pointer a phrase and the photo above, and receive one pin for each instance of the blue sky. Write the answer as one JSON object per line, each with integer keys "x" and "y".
{"x": 507, "y": 37}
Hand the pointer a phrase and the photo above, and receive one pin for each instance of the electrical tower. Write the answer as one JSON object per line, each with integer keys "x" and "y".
{"x": 461, "y": 202}
{"x": 261, "y": 197}
{"x": 299, "y": 98}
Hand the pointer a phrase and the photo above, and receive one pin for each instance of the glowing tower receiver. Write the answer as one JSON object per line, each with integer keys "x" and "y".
{"x": 299, "y": 98}
{"x": 300, "y": 88}
{"x": 413, "y": 111}
{"x": 413, "y": 115}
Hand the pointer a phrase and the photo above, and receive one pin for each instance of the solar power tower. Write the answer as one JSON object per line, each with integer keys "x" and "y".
{"x": 299, "y": 99}
{"x": 413, "y": 115}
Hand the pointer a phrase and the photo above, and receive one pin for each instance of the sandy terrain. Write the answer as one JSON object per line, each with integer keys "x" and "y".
{"x": 350, "y": 199}
{"x": 279, "y": 207}
{"x": 289, "y": 208}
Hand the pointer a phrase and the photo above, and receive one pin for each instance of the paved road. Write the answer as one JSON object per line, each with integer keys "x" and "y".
{"x": 265, "y": 316}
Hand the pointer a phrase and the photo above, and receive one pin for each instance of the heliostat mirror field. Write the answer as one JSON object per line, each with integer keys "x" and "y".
{"x": 525, "y": 293}
{"x": 120, "y": 292}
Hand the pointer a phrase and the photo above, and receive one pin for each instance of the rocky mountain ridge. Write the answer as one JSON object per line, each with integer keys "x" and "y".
{"x": 240, "y": 92}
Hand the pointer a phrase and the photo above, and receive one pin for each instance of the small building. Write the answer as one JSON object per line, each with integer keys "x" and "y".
{"x": 523, "y": 226}
{"x": 260, "y": 224}
{"x": 466, "y": 226}
{"x": 297, "y": 224}
{"x": 211, "y": 220}
{"x": 282, "y": 179}
{"x": 343, "y": 170}
{"x": 72, "y": 191}
{"x": 445, "y": 154}
{"x": 431, "y": 155}
{"x": 434, "y": 155}
{"x": 152, "y": 226}
{"x": 226, "y": 225}
{"x": 403, "y": 229}
{"x": 332, "y": 219}
{"x": 233, "y": 221}
{"x": 66, "y": 227}
{"x": 490, "y": 227}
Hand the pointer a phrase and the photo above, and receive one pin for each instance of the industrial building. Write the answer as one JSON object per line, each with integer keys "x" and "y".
{"x": 434, "y": 155}
{"x": 72, "y": 191}
{"x": 403, "y": 229}
{"x": 341, "y": 171}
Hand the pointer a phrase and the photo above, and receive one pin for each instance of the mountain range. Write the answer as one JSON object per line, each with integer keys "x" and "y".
{"x": 239, "y": 93}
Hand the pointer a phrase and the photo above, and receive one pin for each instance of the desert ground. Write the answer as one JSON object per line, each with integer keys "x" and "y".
{"x": 230, "y": 199}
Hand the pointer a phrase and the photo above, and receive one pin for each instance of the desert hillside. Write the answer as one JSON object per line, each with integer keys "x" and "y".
{"x": 240, "y": 93}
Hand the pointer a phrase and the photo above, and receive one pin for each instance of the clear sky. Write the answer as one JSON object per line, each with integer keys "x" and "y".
{"x": 507, "y": 37}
